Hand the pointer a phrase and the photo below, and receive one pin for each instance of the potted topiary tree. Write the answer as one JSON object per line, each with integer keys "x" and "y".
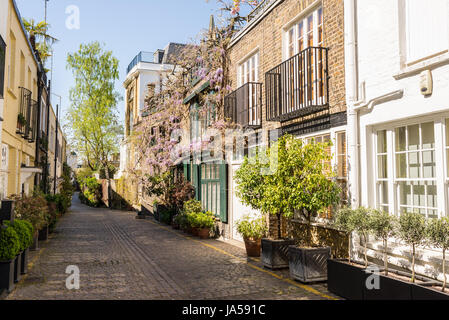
{"x": 383, "y": 226}
{"x": 252, "y": 230}
{"x": 9, "y": 248}
{"x": 362, "y": 225}
{"x": 437, "y": 232}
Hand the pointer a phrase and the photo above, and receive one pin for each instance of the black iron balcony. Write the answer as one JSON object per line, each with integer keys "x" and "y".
{"x": 244, "y": 105}
{"x": 31, "y": 128}
{"x": 24, "y": 109}
{"x": 299, "y": 86}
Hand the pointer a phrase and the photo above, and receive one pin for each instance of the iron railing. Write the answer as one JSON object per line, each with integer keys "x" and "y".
{"x": 24, "y": 111}
{"x": 244, "y": 105}
{"x": 299, "y": 86}
{"x": 141, "y": 57}
{"x": 31, "y": 128}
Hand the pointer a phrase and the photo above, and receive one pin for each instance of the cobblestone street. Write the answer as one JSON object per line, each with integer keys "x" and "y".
{"x": 120, "y": 257}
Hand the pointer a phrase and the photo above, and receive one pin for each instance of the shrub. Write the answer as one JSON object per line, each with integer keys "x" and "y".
{"x": 438, "y": 234}
{"x": 181, "y": 220}
{"x": 193, "y": 206}
{"x": 33, "y": 209}
{"x": 252, "y": 228}
{"x": 24, "y": 231}
{"x": 9, "y": 243}
{"x": 344, "y": 220}
{"x": 301, "y": 182}
{"x": 204, "y": 220}
{"x": 90, "y": 188}
{"x": 412, "y": 229}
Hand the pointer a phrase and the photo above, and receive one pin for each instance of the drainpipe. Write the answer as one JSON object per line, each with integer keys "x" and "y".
{"x": 351, "y": 100}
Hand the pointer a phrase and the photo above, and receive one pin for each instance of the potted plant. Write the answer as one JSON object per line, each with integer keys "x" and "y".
{"x": 191, "y": 209}
{"x": 437, "y": 232}
{"x": 344, "y": 277}
{"x": 25, "y": 236}
{"x": 258, "y": 192}
{"x": 383, "y": 226}
{"x": 9, "y": 248}
{"x": 28, "y": 241}
{"x": 205, "y": 221}
{"x": 252, "y": 231}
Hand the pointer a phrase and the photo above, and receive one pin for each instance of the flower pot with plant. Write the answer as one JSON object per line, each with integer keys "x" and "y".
{"x": 252, "y": 231}
{"x": 204, "y": 222}
{"x": 24, "y": 233}
{"x": 9, "y": 249}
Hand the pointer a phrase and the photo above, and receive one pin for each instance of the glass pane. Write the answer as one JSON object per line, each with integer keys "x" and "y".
{"x": 419, "y": 196}
{"x": 341, "y": 143}
{"x": 405, "y": 194}
{"x": 401, "y": 166}
{"x": 400, "y": 139}
{"x": 382, "y": 167}
{"x": 432, "y": 195}
{"x": 382, "y": 141}
{"x": 341, "y": 167}
{"x": 413, "y": 137}
{"x": 432, "y": 214}
{"x": 447, "y": 132}
{"x": 414, "y": 165}
{"x": 428, "y": 164}
{"x": 383, "y": 194}
{"x": 428, "y": 135}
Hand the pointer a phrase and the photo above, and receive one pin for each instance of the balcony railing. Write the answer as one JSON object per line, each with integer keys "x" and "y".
{"x": 299, "y": 86}
{"x": 141, "y": 57}
{"x": 31, "y": 129}
{"x": 244, "y": 105}
{"x": 24, "y": 110}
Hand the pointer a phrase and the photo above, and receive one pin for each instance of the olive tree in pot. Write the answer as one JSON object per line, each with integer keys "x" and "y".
{"x": 252, "y": 230}
{"x": 438, "y": 236}
{"x": 9, "y": 248}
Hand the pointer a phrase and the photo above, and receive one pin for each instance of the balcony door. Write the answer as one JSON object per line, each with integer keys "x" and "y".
{"x": 305, "y": 79}
{"x": 249, "y": 75}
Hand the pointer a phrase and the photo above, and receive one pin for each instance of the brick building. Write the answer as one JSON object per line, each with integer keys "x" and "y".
{"x": 288, "y": 75}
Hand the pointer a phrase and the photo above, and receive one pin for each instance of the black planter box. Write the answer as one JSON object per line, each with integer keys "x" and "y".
{"x": 7, "y": 211}
{"x": 390, "y": 289}
{"x": 275, "y": 253}
{"x": 345, "y": 280}
{"x": 7, "y": 275}
{"x": 24, "y": 262}
{"x": 308, "y": 264}
{"x": 43, "y": 234}
{"x": 420, "y": 292}
{"x": 18, "y": 268}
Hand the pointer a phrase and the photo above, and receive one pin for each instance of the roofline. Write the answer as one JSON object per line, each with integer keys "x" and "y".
{"x": 16, "y": 9}
{"x": 248, "y": 27}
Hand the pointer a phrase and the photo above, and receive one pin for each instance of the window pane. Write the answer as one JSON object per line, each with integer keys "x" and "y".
{"x": 428, "y": 164}
{"x": 419, "y": 195}
{"x": 382, "y": 167}
{"x": 405, "y": 193}
{"x": 400, "y": 139}
{"x": 432, "y": 195}
{"x": 401, "y": 166}
{"x": 383, "y": 192}
{"x": 414, "y": 165}
{"x": 382, "y": 141}
{"x": 428, "y": 135}
{"x": 413, "y": 137}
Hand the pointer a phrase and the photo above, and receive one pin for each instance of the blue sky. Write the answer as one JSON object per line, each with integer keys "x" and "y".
{"x": 124, "y": 26}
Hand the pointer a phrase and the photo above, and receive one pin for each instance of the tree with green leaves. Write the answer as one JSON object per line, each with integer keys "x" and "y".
{"x": 301, "y": 182}
{"x": 362, "y": 225}
{"x": 344, "y": 221}
{"x": 438, "y": 235}
{"x": 412, "y": 229}
{"x": 38, "y": 32}
{"x": 383, "y": 226}
{"x": 93, "y": 115}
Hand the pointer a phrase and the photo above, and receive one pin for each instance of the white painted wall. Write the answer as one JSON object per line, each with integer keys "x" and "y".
{"x": 381, "y": 39}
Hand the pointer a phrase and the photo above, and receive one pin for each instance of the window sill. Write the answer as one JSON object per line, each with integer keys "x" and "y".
{"x": 430, "y": 63}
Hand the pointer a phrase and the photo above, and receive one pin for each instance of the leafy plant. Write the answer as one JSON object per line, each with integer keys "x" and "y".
{"x": 362, "y": 224}
{"x": 24, "y": 231}
{"x": 21, "y": 119}
{"x": 412, "y": 229}
{"x": 300, "y": 181}
{"x": 33, "y": 209}
{"x": 252, "y": 228}
{"x": 438, "y": 235}
{"x": 344, "y": 220}
{"x": 9, "y": 243}
{"x": 383, "y": 226}
{"x": 193, "y": 206}
{"x": 204, "y": 220}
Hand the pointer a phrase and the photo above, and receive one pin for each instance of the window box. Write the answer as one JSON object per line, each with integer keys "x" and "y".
{"x": 345, "y": 280}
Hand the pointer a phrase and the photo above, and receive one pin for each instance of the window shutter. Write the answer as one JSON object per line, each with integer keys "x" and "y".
{"x": 223, "y": 192}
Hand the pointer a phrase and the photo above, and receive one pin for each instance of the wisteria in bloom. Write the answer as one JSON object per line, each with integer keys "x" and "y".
{"x": 237, "y": 3}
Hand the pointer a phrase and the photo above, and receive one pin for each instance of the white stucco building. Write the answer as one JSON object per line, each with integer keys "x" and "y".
{"x": 397, "y": 78}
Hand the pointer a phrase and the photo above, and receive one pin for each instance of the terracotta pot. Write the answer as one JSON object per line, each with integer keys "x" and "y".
{"x": 195, "y": 232}
{"x": 204, "y": 233}
{"x": 253, "y": 247}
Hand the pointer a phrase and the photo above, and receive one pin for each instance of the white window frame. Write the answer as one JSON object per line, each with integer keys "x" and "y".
{"x": 242, "y": 69}
{"x": 295, "y": 25}
{"x": 441, "y": 160}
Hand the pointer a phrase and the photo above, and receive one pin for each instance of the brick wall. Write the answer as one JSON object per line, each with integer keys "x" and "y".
{"x": 267, "y": 36}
